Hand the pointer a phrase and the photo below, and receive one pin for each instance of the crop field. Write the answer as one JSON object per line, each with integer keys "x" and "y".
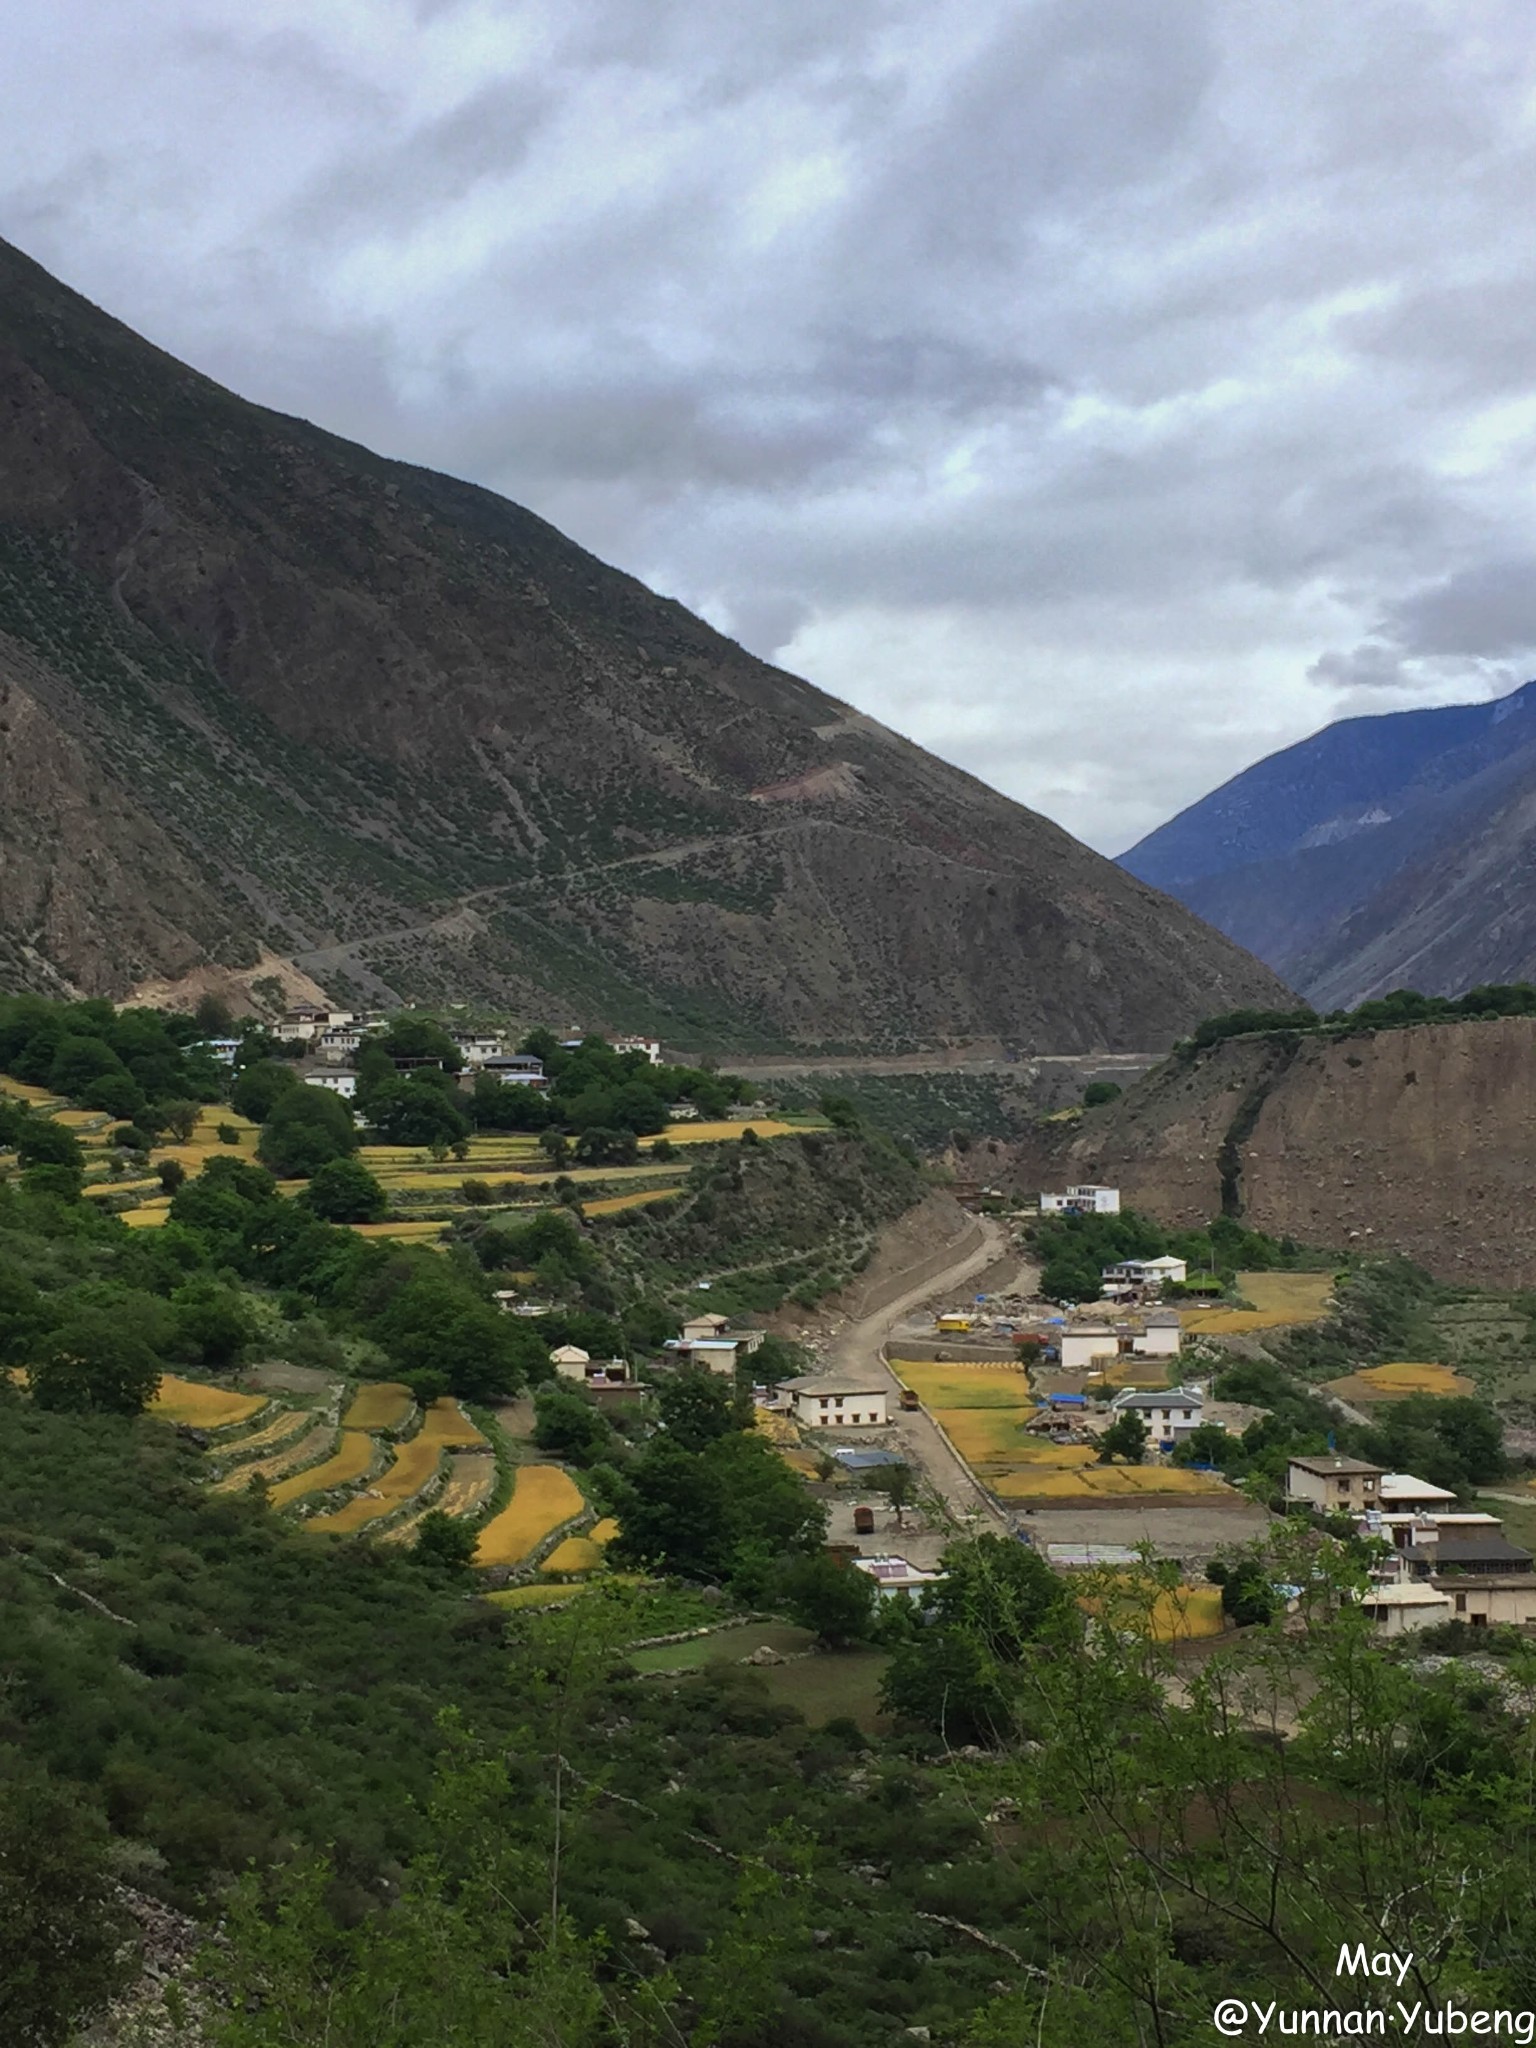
{"x": 1089, "y": 1483}
{"x": 575, "y": 1554}
{"x": 204, "y": 1407}
{"x": 351, "y": 1460}
{"x": 608, "y": 1205}
{"x": 447, "y": 1425}
{"x": 1397, "y": 1382}
{"x": 471, "y": 1482}
{"x": 965, "y": 1386}
{"x": 408, "y": 1471}
{"x": 272, "y": 1436}
{"x": 1187, "y": 1614}
{"x": 379, "y": 1404}
{"x": 1278, "y": 1299}
{"x": 725, "y": 1133}
{"x": 419, "y": 1231}
{"x": 149, "y": 1216}
{"x": 832, "y": 1685}
{"x": 1149, "y": 1374}
{"x": 26, "y": 1091}
{"x": 542, "y": 1499}
{"x": 121, "y": 1187}
{"x": 301, "y": 1451}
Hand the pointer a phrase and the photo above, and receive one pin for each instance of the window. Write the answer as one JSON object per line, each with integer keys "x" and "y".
{"x": 1478, "y": 1620}
{"x": 1461, "y": 1603}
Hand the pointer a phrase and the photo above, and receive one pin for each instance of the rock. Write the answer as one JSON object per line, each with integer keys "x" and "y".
{"x": 636, "y": 1932}
{"x": 820, "y": 1936}
{"x": 922, "y": 1957}
{"x": 765, "y": 1654}
{"x": 672, "y": 1786}
{"x": 919, "y": 2033}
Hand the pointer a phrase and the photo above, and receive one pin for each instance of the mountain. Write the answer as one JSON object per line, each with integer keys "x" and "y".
{"x": 272, "y": 704}
{"x": 1415, "y": 1140}
{"x": 1387, "y": 852}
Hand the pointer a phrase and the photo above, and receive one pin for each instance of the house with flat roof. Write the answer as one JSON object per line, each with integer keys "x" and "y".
{"x": 1084, "y": 1200}
{"x": 894, "y": 1575}
{"x": 838, "y": 1400}
{"x": 1333, "y": 1485}
{"x": 1400, "y": 1493}
{"x": 1146, "y": 1272}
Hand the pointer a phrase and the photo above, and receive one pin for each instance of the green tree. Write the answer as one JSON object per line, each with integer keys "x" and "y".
{"x": 172, "y": 1173}
{"x": 416, "y": 1111}
{"x": 445, "y": 1544}
{"x": 305, "y": 1129}
{"x": 1126, "y": 1437}
{"x": 179, "y": 1117}
{"x": 260, "y": 1086}
{"x": 946, "y": 1680}
{"x": 91, "y": 1365}
{"x": 569, "y": 1425}
{"x": 344, "y": 1191}
{"x": 1097, "y": 1093}
{"x": 64, "y": 1947}
{"x": 213, "y": 1324}
{"x": 696, "y": 1408}
{"x": 421, "y": 1038}
{"x": 831, "y": 1597}
{"x": 43, "y": 1141}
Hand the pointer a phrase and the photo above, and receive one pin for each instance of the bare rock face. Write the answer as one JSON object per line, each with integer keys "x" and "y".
{"x": 1417, "y": 1141}
{"x": 270, "y": 705}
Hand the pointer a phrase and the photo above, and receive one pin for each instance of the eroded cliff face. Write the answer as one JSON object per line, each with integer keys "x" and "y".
{"x": 1421, "y": 1141}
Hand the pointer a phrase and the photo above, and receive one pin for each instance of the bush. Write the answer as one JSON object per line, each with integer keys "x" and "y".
{"x": 344, "y": 1191}
{"x": 305, "y": 1129}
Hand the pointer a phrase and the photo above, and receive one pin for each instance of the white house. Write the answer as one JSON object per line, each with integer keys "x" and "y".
{"x": 1086, "y": 1200}
{"x": 1161, "y": 1337}
{"x": 1084, "y": 1343}
{"x": 1405, "y": 1606}
{"x": 519, "y": 1067}
{"x": 699, "y": 1329}
{"x": 893, "y": 1575}
{"x": 1170, "y": 1413}
{"x": 651, "y": 1047}
{"x": 838, "y": 1401}
{"x": 221, "y": 1049}
{"x": 570, "y": 1361}
{"x": 1334, "y": 1485}
{"x": 1400, "y": 1493}
{"x": 1147, "y": 1272}
{"x": 714, "y": 1354}
{"x": 340, "y": 1083}
{"x": 476, "y": 1047}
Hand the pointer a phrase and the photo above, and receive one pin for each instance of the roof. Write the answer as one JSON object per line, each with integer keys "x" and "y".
{"x": 1403, "y": 1486}
{"x": 1089, "y": 1330}
{"x": 1329, "y": 1467}
{"x": 1072, "y": 1554}
{"x": 1169, "y": 1397}
{"x": 1164, "y": 1319}
{"x": 1405, "y": 1593}
{"x": 716, "y": 1322}
{"x": 702, "y": 1344}
{"x": 571, "y": 1354}
{"x": 1468, "y": 1551}
{"x": 864, "y": 1461}
{"x": 834, "y": 1383}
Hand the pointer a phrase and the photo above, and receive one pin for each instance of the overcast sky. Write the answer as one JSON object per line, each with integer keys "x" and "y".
{"x": 1104, "y": 392}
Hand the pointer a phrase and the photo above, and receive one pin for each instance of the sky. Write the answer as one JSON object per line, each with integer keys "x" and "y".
{"x": 1102, "y": 392}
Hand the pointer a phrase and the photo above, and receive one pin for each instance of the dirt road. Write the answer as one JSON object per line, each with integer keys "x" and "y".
{"x": 857, "y": 1347}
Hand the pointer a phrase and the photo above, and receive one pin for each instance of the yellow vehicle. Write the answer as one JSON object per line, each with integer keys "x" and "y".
{"x": 955, "y": 1325}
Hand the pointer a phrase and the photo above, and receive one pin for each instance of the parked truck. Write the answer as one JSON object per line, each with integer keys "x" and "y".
{"x": 909, "y": 1398}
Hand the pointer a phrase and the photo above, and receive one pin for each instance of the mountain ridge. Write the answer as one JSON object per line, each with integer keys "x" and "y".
{"x": 1380, "y": 852}
{"x": 266, "y": 694}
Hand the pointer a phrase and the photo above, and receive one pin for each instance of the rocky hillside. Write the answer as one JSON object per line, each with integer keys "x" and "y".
{"x": 1381, "y": 853}
{"x": 1416, "y": 1141}
{"x": 267, "y": 698}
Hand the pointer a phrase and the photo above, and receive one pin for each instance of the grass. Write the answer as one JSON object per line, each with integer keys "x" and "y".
{"x": 1278, "y": 1299}
{"x": 1187, "y": 1614}
{"x": 542, "y": 1499}
{"x": 204, "y": 1407}
{"x": 831, "y": 1685}
{"x": 409, "y": 1470}
{"x": 965, "y": 1386}
{"x": 575, "y": 1554}
{"x": 418, "y": 1232}
{"x": 380, "y": 1404}
{"x": 732, "y": 1644}
{"x": 350, "y": 1461}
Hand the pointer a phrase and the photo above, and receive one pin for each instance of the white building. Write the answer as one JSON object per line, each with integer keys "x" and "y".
{"x": 1400, "y": 1493}
{"x": 570, "y": 1361}
{"x": 651, "y": 1047}
{"x": 1085, "y": 1345}
{"x": 1086, "y": 1200}
{"x": 340, "y": 1083}
{"x": 1147, "y": 1272}
{"x": 838, "y": 1401}
{"x": 338, "y": 1041}
{"x": 1405, "y": 1606}
{"x": 893, "y": 1575}
{"x": 221, "y": 1049}
{"x": 476, "y": 1047}
{"x": 1170, "y": 1413}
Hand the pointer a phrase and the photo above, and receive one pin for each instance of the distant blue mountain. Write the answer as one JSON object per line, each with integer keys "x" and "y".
{"x": 1397, "y": 851}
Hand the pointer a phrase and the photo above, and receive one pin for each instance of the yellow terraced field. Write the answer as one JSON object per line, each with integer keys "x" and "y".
{"x": 1278, "y": 1299}
{"x": 965, "y": 1386}
{"x": 301, "y": 1451}
{"x": 352, "y": 1458}
{"x": 1188, "y": 1614}
{"x": 149, "y": 1217}
{"x": 721, "y": 1133}
{"x": 205, "y": 1407}
{"x": 413, "y": 1232}
{"x": 408, "y": 1471}
{"x": 381, "y": 1404}
{"x": 471, "y": 1482}
{"x": 542, "y": 1499}
{"x": 447, "y": 1424}
{"x": 1397, "y": 1382}
{"x": 285, "y": 1429}
{"x": 26, "y": 1091}
{"x": 122, "y": 1187}
{"x": 575, "y": 1554}
{"x": 606, "y": 1205}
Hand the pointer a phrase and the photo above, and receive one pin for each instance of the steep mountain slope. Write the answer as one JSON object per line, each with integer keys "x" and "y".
{"x": 263, "y": 693}
{"x": 1380, "y": 853}
{"x": 1416, "y": 1140}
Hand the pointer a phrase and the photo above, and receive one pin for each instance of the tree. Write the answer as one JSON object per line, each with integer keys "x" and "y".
{"x": 830, "y": 1597}
{"x": 597, "y": 1146}
{"x": 344, "y": 1191}
{"x": 416, "y": 1112}
{"x": 421, "y": 1038}
{"x": 840, "y": 1112}
{"x": 434, "y": 1324}
{"x": 260, "y": 1086}
{"x": 213, "y": 1324}
{"x": 115, "y": 1094}
{"x": 172, "y": 1173}
{"x": 445, "y": 1544}
{"x": 898, "y": 1483}
{"x": 213, "y": 1016}
{"x": 696, "y": 1408}
{"x": 43, "y": 1141}
{"x": 1000, "y": 1590}
{"x": 64, "y": 1949}
{"x": 570, "y": 1426}
{"x": 945, "y": 1679}
{"x": 179, "y": 1118}
{"x": 91, "y": 1365}
{"x": 1126, "y": 1437}
{"x": 227, "y": 1134}
{"x": 1097, "y": 1093}
{"x": 305, "y": 1129}
{"x": 555, "y": 1146}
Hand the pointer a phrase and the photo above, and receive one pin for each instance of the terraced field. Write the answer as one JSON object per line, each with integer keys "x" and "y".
{"x": 1278, "y": 1299}
{"x": 302, "y": 1452}
{"x": 471, "y": 1482}
{"x": 380, "y": 1404}
{"x": 542, "y": 1499}
{"x": 413, "y": 1465}
{"x": 285, "y": 1428}
{"x": 1397, "y": 1382}
{"x": 350, "y": 1461}
{"x": 447, "y": 1425}
{"x": 204, "y": 1407}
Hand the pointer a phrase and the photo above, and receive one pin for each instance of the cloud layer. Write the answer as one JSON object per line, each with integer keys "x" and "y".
{"x": 1102, "y": 394}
